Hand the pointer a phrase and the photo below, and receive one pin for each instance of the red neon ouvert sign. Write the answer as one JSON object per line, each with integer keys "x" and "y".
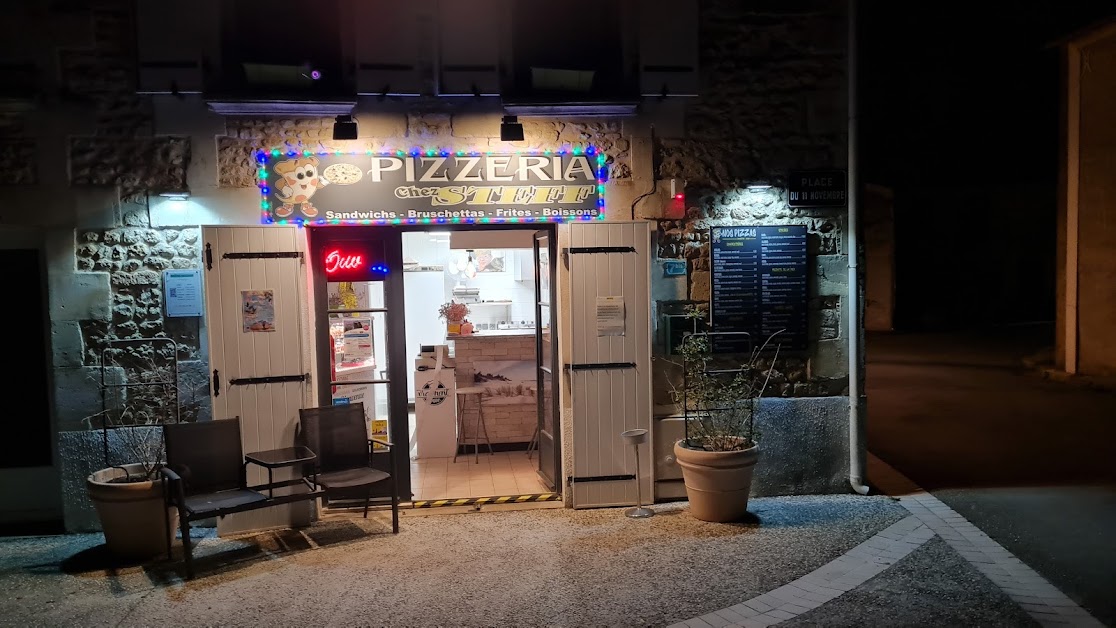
{"x": 336, "y": 260}
{"x": 354, "y": 261}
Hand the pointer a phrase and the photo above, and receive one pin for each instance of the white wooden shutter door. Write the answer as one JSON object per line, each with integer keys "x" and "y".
{"x": 608, "y": 401}
{"x": 268, "y": 411}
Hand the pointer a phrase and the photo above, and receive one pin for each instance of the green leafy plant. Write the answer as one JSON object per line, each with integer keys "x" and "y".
{"x": 719, "y": 392}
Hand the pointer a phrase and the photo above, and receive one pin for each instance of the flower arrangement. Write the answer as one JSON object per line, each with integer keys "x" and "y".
{"x": 453, "y": 311}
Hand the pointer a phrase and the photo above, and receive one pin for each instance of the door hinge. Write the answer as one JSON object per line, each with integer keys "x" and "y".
{"x": 583, "y": 250}
{"x": 272, "y": 379}
{"x": 208, "y": 257}
{"x": 216, "y": 383}
{"x": 601, "y": 478}
{"x": 600, "y": 366}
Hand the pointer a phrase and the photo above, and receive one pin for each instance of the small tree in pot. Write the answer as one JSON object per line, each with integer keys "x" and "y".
{"x": 129, "y": 497}
{"x": 719, "y": 395}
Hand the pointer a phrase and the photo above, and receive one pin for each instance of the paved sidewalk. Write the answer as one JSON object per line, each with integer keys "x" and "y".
{"x": 827, "y": 560}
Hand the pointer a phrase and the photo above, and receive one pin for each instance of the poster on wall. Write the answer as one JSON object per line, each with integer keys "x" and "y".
{"x": 610, "y": 316}
{"x": 257, "y": 310}
{"x": 506, "y": 382}
{"x": 357, "y": 339}
{"x": 184, "y": 293}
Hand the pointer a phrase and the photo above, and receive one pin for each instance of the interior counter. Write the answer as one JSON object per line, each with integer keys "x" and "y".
{"x": 502, "y": 361}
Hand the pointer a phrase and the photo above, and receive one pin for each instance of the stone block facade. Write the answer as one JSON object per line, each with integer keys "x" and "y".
{"x": 88, "y": 161}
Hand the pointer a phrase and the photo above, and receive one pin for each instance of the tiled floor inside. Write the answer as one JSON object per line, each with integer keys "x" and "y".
{"x": 499, "y": 474}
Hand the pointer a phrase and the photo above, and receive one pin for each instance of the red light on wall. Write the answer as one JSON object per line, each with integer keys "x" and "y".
{"x": 336, "y": 260}
{"x": 353, "y": 261}
{"x": 678, "y": 197}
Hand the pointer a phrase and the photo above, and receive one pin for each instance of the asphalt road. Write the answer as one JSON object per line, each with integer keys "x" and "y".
{"x": 1031, "y": 462}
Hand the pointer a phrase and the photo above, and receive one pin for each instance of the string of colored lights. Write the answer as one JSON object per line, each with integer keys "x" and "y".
{"x": 264, "y": 156}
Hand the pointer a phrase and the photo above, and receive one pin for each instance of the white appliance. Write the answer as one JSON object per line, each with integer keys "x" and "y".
{"x": 425, "y": 291}
{"x": 435, "y": 403}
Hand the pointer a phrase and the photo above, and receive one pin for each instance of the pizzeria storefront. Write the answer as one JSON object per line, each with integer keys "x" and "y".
{"x": 481, "y": 306}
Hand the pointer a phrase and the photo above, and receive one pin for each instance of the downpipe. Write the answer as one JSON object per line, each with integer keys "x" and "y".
{"x": 857, "y": 440}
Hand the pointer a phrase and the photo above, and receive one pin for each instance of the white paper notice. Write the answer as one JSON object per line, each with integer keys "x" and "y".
{"x": 183, "y": 292}
{"x": 610, "y": 316}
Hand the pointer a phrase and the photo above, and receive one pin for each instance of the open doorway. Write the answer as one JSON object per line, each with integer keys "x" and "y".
{"x": 481, "y": 409}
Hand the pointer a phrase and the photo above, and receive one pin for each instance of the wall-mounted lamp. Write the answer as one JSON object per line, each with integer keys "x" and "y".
{"x": 344, "y": 128}
{"x": 758, "y": 187}
{"x": 511, "y": 130}
{"x": 177, "y": 195}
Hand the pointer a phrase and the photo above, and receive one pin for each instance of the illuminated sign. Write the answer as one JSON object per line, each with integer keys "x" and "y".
{"x": 354, "y": 261}
{"x": 336, "y": 260}
{"x": 423, "y": 187}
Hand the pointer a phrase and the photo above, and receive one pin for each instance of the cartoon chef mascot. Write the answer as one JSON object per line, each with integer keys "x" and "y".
{"x": 300, "y": 179}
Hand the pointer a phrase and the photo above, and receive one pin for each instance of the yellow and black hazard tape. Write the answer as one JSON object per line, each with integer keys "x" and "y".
{"x": 477, "y": 501}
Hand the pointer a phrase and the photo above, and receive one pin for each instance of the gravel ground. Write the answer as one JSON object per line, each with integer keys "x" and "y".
{"x": 526, "y": 568}
{"x": 933, "y": 586}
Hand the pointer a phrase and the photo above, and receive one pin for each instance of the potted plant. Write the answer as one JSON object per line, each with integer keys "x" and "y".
{"x": 719, "y": 396}
{"x": 454, "y": 314}
{"x": 129, "y": 497}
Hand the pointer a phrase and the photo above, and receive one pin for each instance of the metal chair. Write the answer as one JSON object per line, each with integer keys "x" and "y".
{"x": 206, "y": 475}
{"x": 339, "y": 436}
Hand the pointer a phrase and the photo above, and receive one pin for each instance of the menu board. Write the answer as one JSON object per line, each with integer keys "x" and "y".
{"x": 759, "y": 286}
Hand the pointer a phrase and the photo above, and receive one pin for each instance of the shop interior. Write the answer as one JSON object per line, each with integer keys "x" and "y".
{"x": 471, "y": 383}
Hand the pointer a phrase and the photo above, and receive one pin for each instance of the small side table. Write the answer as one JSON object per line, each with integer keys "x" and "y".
{"x": 276, "y": 458}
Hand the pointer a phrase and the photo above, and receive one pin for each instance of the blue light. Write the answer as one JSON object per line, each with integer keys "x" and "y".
{"x": 441, "y": 220}
{"x": 291, "y": 153}
{"x": 266, "y": 190}
{"x": 410, "y": 221}
{"x": 590, "y": 150}
{"x": 470, "y": 219}
{"x": 600, "y": 202}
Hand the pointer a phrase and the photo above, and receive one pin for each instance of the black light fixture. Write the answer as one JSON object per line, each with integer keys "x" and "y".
{"x": 511, "y": 130}
{"x": 344, "y": 128}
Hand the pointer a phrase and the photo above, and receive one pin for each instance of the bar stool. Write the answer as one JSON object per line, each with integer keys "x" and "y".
{"x": 463, "y": 395}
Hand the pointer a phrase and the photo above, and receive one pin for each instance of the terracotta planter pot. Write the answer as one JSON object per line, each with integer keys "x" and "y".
{"x": 133, "y": 514}
{"x": 717, "y": 482}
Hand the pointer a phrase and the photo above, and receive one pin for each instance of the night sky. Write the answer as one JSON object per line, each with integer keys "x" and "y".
{"x": 959, "y": 116}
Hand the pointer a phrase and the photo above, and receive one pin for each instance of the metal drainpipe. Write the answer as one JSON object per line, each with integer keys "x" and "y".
{"x": 857, "y": 440}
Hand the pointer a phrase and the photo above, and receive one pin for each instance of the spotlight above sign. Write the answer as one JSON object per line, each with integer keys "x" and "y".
{"x": 430, "y": 186}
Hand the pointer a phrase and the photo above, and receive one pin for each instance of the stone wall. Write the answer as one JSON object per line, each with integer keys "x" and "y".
{"x": 774, "y": 100}
{"x": 90, "y": 156}
{"x": 124, "y": 265}
{"x": 1096, "y": 305}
